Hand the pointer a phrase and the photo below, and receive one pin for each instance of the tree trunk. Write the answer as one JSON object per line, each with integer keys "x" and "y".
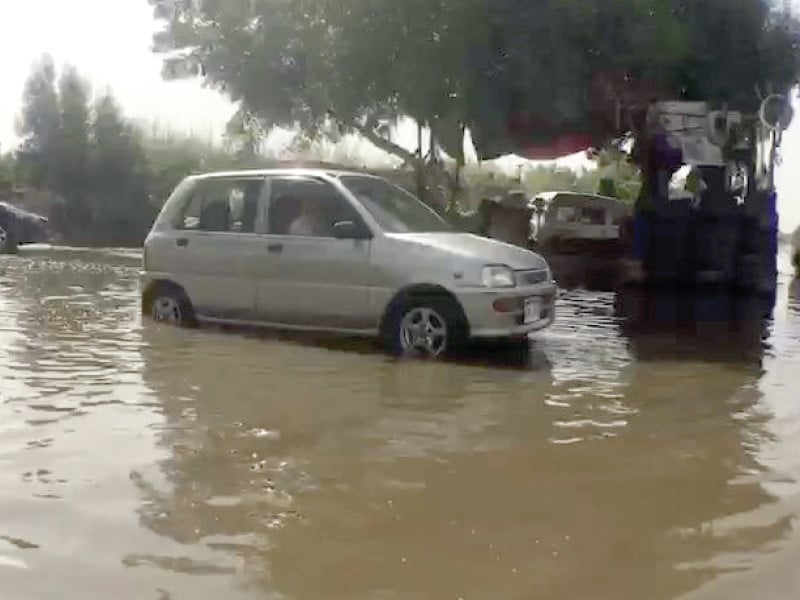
{"x": 419, "y": 167}
{"x": 456, "y": 188}
{"x": 427, "y": 172}
{"x": 388, "y": 146}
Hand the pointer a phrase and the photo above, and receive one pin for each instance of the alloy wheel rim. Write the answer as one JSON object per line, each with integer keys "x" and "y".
{"x": 166, "y": 309}
{"x": 423, "y": 331}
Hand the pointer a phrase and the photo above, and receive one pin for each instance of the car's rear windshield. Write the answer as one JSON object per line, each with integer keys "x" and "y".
{"x": 394, "y": 209}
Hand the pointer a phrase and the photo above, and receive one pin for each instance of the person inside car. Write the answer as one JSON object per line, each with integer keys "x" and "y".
{"x": 310, "y": 221}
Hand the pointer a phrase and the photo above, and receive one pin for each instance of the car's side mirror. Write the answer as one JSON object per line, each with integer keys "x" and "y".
{"x": 350, "y": 230}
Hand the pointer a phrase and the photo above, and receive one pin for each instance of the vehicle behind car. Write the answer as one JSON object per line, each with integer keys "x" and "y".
{"x": 573, "y": 222}
{"x": 18, "y": 226}
{"x": 336, "y": 251}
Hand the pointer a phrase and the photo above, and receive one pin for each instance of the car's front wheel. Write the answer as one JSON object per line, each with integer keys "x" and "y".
{"x": 169, "y": 304}
{"x": 427, "y": 325}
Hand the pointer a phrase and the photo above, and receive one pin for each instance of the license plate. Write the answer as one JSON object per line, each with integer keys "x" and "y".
{"x": 533, "y": 310}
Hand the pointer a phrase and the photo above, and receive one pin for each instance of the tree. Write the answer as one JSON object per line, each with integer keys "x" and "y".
{"x": 244, "y": 136}
{"x": 120, "y": 202}
{"x": 40, "y": 124}
{"x": 74, "y": 94}
{"x": 172, "y": 156}
{"x": 7, "y": 170}
{"x": 517, "y": 73}
{"x": 73, "y": 177}
{"x": 323, "y": 63}
{"x": 104, "y": 176}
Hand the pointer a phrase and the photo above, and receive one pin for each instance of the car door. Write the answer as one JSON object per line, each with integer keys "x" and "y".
{"x": 313, "y": 279}
{"x": 217, "y": 247}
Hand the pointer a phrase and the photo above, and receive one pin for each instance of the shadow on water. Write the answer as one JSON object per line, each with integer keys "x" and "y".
{"x": 495, "y": 354}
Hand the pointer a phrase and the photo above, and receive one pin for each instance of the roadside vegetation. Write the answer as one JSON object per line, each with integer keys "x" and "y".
{"x": 100, "y": 177}
{"x": 537, "y": 79}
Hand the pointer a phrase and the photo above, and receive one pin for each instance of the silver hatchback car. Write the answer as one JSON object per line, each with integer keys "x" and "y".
{"x": 336, "y": 251}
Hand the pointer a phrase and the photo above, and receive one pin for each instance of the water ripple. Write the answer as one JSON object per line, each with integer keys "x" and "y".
{"x": 151, "y": 462}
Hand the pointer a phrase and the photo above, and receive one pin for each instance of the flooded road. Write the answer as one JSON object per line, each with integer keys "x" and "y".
{"x": 611, "y": 461}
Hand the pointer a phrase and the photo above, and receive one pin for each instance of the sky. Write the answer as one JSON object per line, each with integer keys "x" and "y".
{"x": 109, "y": 41}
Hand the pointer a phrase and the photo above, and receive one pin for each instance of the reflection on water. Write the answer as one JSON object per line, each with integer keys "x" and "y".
{"x": 641, "y": 448}
{"x": 710, "y": 327}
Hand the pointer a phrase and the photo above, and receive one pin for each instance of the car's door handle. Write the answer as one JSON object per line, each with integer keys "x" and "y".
{"x": 274, "y": 248}
{"x": 182, "y": 242}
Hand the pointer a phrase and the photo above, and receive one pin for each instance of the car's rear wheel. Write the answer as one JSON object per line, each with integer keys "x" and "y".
{"x": 426, "y": 325}
{"x": 169, "y": 304}
{"x": 7, "y": 242}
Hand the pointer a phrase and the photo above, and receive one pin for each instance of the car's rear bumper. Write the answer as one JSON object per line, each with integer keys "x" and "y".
{"x": 486, "y": 321}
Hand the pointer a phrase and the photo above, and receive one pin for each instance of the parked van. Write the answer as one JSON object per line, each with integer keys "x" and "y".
{"x": 316, "y": 249}
{"x": 573, "y": 222}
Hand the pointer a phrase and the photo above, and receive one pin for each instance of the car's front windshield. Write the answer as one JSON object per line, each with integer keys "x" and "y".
{"x": 394, "y": 209}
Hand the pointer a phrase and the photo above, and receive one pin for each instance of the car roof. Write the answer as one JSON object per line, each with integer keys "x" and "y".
{"x": 296, "y": 171}
{"x": 578, "y": 198}
{"x": 18, "y": 212}
{"x": 549, "y": 195}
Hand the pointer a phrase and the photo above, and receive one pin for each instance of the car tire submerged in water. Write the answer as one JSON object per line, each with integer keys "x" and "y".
{"x": 8, "y": 244}
{"x": 169, "y": 304}
{"x": 431, "y": 325}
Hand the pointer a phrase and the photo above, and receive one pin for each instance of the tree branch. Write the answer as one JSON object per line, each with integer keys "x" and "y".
{"x": 388, "y": 146}
{"x": 367, "y": 130}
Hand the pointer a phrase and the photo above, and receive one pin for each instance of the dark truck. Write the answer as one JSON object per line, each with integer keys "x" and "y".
{"x": 18, "y": 226}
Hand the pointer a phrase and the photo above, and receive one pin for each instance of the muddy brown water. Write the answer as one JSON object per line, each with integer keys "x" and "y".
{"x": 615, "y": 459}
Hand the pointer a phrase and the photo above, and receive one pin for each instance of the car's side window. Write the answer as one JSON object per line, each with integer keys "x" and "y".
{"x": 566, "y": 214}
{"x": 593, "y": 216}
{"x": 307, "y": 207}
{"x": 223, "y": 205}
